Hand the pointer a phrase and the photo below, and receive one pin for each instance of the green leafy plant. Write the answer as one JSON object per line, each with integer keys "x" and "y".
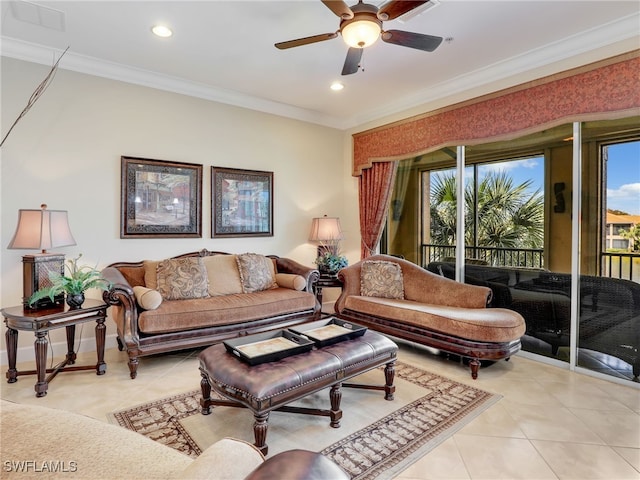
{"x": 632, "y": 234}
{"x": 77, "y": 281}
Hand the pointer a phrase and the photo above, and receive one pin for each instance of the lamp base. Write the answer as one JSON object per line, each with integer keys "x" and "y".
{"x": 35, "y": 276}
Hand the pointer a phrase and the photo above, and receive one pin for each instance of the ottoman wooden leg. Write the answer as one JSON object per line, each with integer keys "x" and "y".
{"x": 260, "y": 427}
{"x": 335, "y": 395}
{"x": 205, "y": 401}
{"x": 389, "y": 375}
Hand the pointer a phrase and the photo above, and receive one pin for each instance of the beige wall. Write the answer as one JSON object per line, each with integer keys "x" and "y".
{"x": 66, "y": 153}
{"x": 558, "y": 234}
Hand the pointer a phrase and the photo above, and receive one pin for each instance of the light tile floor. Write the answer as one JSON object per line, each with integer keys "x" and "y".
{"x": 550, "y": 424}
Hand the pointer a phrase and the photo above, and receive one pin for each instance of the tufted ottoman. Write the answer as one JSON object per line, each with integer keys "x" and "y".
{"x": 271, "y": 386}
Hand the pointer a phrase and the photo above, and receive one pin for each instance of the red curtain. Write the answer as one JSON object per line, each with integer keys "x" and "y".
{"x": 375, "y": 186}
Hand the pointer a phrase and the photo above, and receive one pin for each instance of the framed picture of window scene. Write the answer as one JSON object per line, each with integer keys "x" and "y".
{"x": 160, "y": 199}
{"x": 241, "y": 202}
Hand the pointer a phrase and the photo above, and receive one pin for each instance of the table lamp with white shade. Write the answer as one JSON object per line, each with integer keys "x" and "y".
{"x": 41, "y": 230}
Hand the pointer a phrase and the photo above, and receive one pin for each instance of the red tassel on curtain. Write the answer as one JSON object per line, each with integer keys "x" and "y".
{"x": 375, "y": 186}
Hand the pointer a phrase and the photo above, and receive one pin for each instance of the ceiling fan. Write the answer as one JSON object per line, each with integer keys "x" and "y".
{"x": 361, "y": 25}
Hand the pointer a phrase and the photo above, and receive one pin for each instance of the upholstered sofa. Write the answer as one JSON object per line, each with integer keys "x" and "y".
{"x": 41, "y": 442}
{"x": 201, "y": 298}
{"x": 401, "y": 299}
{"x": 609, "y": 320}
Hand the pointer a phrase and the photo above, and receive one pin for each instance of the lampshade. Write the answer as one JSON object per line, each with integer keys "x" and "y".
{"x": 42, "y": 230}
{"x": 325, "y": 228}
{"x": 361, "y": 33}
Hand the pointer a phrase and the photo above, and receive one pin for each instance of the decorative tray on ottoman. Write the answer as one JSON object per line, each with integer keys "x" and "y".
{"x": 268, "y": 347}
{"x": 329, "y": 331}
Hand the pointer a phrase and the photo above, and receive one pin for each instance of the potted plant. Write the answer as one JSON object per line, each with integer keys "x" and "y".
{"x": 78, "y": 280}
{"x": 329, "y": 263}
{"x": 329, "y": 259}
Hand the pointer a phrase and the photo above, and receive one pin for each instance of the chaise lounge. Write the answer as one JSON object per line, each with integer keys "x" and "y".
{"x": 401, "y": 299}
{"x": 609, "y": 319}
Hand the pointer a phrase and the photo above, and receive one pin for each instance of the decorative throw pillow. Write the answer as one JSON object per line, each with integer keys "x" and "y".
{"x": 379, "y": 278}
{"x": 257, "y": 272}
{"x": 224, "y": 277}
{"x": 182, "y": 278}
{"x": 150, "y": 273}
{"x": 291, "y": 280}
{"x": 147, "y": 298}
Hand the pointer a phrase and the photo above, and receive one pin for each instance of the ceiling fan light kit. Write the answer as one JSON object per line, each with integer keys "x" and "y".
{"x": 363, "y": 29}
{"x": 361, "y": 26}
{"x": 361, "y": 34}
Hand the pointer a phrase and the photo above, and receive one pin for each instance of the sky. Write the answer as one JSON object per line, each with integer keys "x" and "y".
{"x": 520, "y": 171}
{"x": 623, "y": 175}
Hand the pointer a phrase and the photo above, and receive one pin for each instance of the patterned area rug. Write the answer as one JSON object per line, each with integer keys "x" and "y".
{"x": 376, "y": 444}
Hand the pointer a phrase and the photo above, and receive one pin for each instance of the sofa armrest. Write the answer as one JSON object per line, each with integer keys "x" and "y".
{"x": 227, "y": 459}
{"x": 121, "y": 295}
{"x": 419, "y": 286}
{"x": 286, "y": 265}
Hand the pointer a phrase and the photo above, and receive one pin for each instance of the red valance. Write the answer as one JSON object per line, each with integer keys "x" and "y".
{"x": 607, "y": 89}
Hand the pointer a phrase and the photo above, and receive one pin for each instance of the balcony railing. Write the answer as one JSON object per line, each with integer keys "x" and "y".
{"x": 621, "y": 265}
{"x": 495, "y": 256}
{"x": 614, "y": 265}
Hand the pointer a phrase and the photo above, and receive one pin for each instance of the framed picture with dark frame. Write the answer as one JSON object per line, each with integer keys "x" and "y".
{"x": 241, "y": 202}
{"x": 160, "y": 199}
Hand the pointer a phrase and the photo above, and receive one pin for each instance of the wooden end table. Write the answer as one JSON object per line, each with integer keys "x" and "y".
{"x": 326, "y": 281}
{"x": 40, "y": 322}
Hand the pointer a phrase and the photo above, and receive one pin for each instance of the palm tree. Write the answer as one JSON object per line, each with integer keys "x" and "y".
{"x": 508, "y": 215}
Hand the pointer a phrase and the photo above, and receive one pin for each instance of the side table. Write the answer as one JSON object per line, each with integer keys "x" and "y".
{"x": 40, "y": 322}
{"x": 326, "y": 281}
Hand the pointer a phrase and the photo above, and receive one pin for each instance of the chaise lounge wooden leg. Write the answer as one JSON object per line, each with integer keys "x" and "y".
{"x": 474, "y": 363}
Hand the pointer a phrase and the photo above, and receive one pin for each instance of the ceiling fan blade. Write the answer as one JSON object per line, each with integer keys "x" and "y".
{"x": 352, "y": 62}
{"x": 420, "y": 41}
{"x": 395, "y": 8}
{"x": 306, "y": 40}
{"x": 340, "y": 8}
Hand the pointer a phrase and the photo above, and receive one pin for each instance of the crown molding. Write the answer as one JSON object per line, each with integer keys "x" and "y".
{"x": 619, "y": 35}
{"x": 31, "y": 52}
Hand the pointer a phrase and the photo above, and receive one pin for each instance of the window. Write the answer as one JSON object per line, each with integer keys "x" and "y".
{"x": 504, "y": 212}
{"x": 620, "y": 227}
{"x": 621, "y": 182}
{"x": 620, "y": 244}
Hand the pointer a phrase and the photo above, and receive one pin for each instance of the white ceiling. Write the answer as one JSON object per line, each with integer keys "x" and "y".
{"x": 224, "y": 50}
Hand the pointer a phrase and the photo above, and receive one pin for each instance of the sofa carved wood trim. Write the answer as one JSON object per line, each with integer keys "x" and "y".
{"x": 436, "y": 312}
{"x": 285, "y": 307}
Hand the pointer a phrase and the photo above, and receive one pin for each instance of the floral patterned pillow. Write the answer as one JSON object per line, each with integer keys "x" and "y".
{"x": 182, "y": 278}
{"x": 379, "y": 278}
{"x": 257, "y": 272}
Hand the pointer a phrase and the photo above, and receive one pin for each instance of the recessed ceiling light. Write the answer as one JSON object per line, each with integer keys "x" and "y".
{"x": 337, "y": 86}
{"x": 161, "y": 31}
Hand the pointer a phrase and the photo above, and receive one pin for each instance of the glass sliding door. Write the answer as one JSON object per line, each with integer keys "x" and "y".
{"x": 544, "y": 227}
{"x": 608, "y": 337}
